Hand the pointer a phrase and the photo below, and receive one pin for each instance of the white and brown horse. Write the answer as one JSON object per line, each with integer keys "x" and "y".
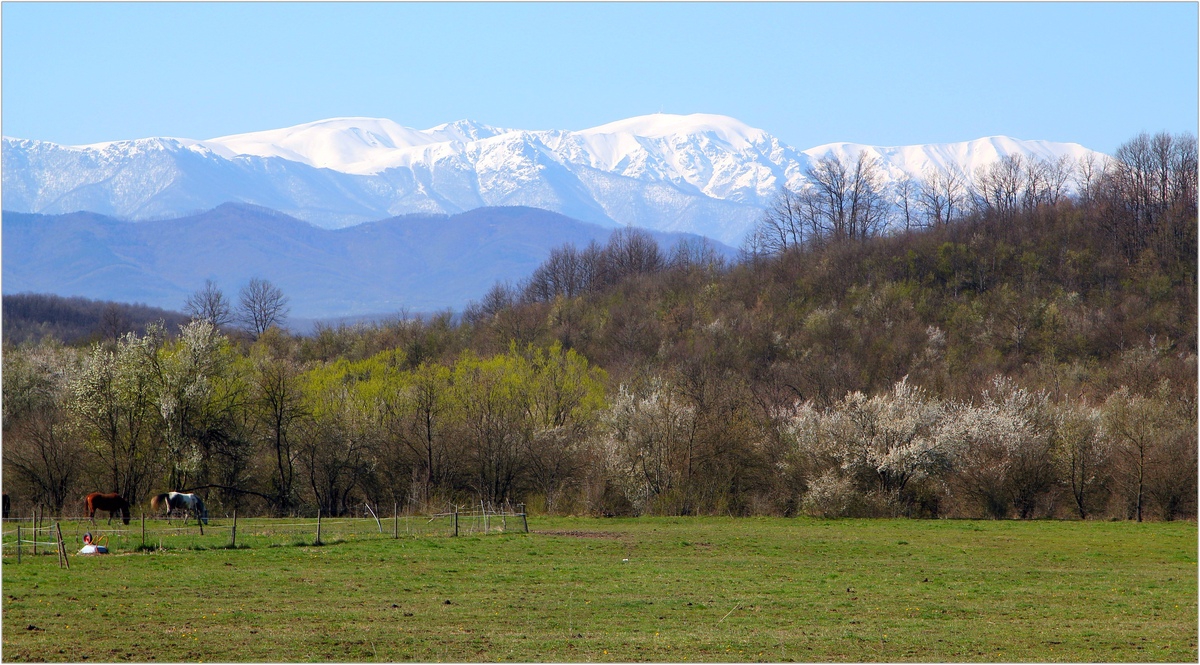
{"x": 189, "y": 504}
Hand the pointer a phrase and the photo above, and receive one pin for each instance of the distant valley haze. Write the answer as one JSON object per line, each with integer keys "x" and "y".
{"x": 415, "y": 263}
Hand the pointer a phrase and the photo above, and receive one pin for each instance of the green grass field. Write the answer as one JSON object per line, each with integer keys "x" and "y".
{"x": 646, "y": 589}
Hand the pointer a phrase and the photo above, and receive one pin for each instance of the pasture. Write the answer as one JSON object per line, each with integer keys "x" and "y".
{"x": 644, "y": 589}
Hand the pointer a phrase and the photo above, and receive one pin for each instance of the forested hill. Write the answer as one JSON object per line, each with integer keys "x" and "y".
{"x": 1029, "y": 356}
{"x": 29, "y": 317}
{"x": 1046, "y": 297}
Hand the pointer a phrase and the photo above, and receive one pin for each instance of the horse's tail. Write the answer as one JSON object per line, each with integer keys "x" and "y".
{"x": 158, "y": 503}
{"x": 89, "y": 505}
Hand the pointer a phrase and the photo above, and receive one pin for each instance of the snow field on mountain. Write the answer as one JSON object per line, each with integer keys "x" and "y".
{"x": 702, "y": 173}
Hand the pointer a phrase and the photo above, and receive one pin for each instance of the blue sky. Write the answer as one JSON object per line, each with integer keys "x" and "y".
{"x": 811, "y": 73}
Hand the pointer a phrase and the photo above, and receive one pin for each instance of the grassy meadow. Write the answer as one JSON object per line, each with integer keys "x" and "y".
{"x": 643, "y": 589}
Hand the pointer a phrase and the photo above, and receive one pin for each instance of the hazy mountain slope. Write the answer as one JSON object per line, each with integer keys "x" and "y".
{"x": 415, "y": 262}
{"x": 700, "y": 173}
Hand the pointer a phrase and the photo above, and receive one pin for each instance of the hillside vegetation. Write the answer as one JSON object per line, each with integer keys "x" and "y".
{"x": 1029, "y": 355}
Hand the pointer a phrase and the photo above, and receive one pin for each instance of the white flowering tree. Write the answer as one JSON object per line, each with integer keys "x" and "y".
{"x": 196, "y": 400}
{"x": 887, "y": 441}
{"x": 115, "y": 399}
{"x": 41, "y": 452}
{"x": 1002, "y": 448}
{"x": 653, "y": 432}
{"x": 867, "y": 449}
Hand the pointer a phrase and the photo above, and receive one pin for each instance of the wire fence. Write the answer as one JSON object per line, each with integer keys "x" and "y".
{"x": 31, "y": 537}
{"x": 48, "y": 536}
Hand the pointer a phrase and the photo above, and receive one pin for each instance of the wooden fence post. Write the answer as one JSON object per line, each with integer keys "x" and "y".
{"x": 35, "y": 529}
{"x": 524, "y": 519}
{"x": 62, "y": 548}
{"x": 143, "y": 530}
{"x": 233, "y": 532}
{"x": 395, "y": 519}
{"x": 456, "y": 520}
{"x": 318, "y": 541}
{"x": 18, "y": 543}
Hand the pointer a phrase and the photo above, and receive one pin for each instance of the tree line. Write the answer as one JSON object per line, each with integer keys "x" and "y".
{"x": 1025, "y": 351}
{"x": 1148, "y": 189}
{"x": 29, "y": 317}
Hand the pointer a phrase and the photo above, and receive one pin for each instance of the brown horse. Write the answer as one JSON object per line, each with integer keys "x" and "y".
{"x": 112, "y": 502}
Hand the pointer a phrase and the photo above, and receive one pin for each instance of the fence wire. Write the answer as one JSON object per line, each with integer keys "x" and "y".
{"x": 260, "y": 532}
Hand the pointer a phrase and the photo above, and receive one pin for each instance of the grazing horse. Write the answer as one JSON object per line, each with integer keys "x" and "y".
{"x": 188, "y": 503}
{"x": 112, "y": 503}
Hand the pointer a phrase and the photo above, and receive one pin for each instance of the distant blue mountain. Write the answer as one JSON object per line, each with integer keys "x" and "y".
{"x": 418, "y": 263}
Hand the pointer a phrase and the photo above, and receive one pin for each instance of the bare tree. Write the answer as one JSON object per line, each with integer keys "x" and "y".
{"x": 563, "y": 273}
{"x": 1151, "y": 179}
{"x": 503, "y": 295}
{"x": 1034, "y": 180}
{"x": 783, "y": 223}
{"x": 906, "y": 189}
{"x": 277, "y": 402}
{"x": 940, "y": 195}
{"x": 114, "y": 322}
{"x": 1000, "y": 186}
{"x": 632, "y": 251}
{"x": 754, "y": 245}
{"x": 843, "y": 202}
{"x": 262, "y": 305}
{"x": 209, "y": 304}
{"x": 930, "y": 199}
{"x": 869, "y": 209}
{"x": 591, "y": 265}
{"x": 1058, "y": 173}
{"x": 1088, "y": 174}
{"x": 695, "y": 254}
{"x": 423, "y": 427}
{"x": 955, "y": 188}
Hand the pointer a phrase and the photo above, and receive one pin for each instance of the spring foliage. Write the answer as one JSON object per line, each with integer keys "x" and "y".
{"x": 1013, "y": 352}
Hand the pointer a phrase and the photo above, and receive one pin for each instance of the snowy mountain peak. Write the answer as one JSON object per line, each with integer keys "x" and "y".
{"x": 663, "y": 125}
{"x": 964, "y": 157}
{"x": 464, "y": 131}
{"x": 349, "y": 145}
{"x": 702, "y": 173}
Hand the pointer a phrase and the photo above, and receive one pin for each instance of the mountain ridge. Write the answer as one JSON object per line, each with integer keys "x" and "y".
{"x": 412, "y": 262}
{"x": 701, "y": 173}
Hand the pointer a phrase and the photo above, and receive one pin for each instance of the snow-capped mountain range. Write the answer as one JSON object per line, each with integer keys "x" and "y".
{"x": 706, "y": 174}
